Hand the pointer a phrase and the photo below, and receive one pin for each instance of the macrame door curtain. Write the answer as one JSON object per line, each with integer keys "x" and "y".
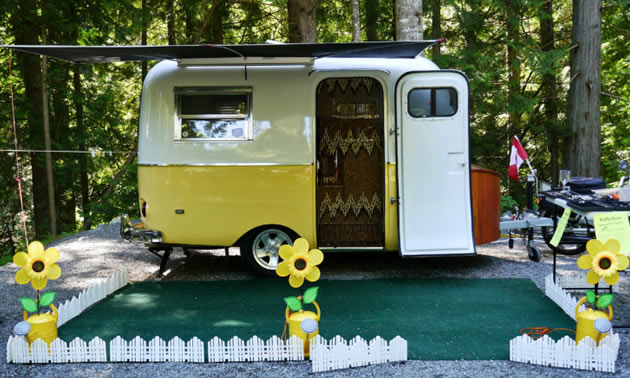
{"x": 350, "y": 175}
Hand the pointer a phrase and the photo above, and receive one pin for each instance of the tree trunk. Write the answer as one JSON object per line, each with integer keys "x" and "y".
{"x": 170, "y": 22}
{"x": 27, "y": 33}
{"x": 513, "y": 66}
{"x": 48, "y": 146}
{"x": 302, "y": 21}
{"x": 408, "y": 20}
{"x": 436, "y": 26}
{"x": 145, "y": 23}
{"x": 82, "y": 135}
{"x": 217, "y": 21}
{"x": 583, "y": 116}
{"x": 371, "y": 20}
{"x": 189, "y": 19}
{"x": 549, "y": 86}
{"x": 356, "y": 22}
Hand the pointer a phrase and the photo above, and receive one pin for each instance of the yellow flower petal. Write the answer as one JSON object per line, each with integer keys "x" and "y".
{"x": 36, "y": 250}
{"x": 612, "y": 245}
{"x": 296, "y": 281}
{"x": 313, "y": 274}
{"x": 22, "y": 277}
{"x": 301, "y": 246}
{"x": 594, "y": 247}
{"x": 20, "y": 259}
{"x": 612, "y": 279}
{"x": 592, "y": 277}
{"x": 51, "y": 255}
{"x": 622, "y": 262}
{"x": 54, "y": 272}
{"x": 283, "y": 269}
{"x": 585, "y": 262}
{"x": 39, "y": 283}
{"x": 315, "y": 256}
{"x": 286, "y": 252}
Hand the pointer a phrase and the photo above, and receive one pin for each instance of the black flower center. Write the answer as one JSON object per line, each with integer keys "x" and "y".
{"x": 38, "y": 266}
{"x": 299, "y": 264}
{"x": 605, "y": 263}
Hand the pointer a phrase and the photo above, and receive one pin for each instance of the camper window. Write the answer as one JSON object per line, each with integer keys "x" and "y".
{"x": 213, "y": 113}
{"x": 432, "y": 102}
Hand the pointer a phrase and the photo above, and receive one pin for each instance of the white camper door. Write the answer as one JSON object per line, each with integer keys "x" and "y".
{"x": 435, "y": 210}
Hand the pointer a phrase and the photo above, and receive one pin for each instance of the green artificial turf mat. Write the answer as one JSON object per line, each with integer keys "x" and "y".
{"x": 441, "y": 319}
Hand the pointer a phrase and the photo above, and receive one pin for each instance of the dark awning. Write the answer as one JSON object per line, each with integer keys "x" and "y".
{"x": 105, "y": 54}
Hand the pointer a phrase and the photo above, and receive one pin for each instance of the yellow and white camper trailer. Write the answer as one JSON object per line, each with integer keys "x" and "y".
{"x": 351, "y": 146}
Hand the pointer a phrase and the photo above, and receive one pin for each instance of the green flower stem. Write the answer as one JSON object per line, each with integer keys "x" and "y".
{"x": 302, "y": 298}
{"x": 38, "y": 298}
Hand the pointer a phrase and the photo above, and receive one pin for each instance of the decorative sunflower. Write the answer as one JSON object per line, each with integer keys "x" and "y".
{"x": 299, "y": 263}
{"x": 604, "y": 260}
{"x": 38, "y": 266}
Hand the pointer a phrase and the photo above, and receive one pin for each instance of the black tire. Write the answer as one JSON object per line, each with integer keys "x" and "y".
{"x": 259, "y": 249}
{"x": 511, "y": 243}
{"x": 534, "y": 254}
{"x": 563, "y": 248}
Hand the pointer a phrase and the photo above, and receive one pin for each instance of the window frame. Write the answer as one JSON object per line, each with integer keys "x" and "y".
{"x": 433, "y": 97}
{"x": 180, "y": 92}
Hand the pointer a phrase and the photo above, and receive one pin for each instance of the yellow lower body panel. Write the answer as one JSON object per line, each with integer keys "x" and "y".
{"x": 391, "y": 209}
{"x": 216, "y": 205}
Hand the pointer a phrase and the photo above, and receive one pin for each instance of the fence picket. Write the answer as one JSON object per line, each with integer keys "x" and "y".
{"x": 338, "y": 354}
{"x": 564, "y": 353}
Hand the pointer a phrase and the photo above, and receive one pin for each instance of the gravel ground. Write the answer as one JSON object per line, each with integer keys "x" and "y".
{"x": 89, "y": 257}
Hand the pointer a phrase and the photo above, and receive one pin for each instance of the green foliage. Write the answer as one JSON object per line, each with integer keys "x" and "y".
{"x": 4, "y": 260}
{"x": 507, "y": 203}
{"x": 590, "y": 296}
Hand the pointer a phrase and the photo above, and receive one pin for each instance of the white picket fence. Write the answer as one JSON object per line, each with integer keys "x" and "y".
{"x": 157, "y": 350}
{"x": 236, "y": 350}
{"x": 565, "y": 353}
{"x": 18, "y": 351}
{"x": 563, "y": 298}
{"x": 338, "y": 354}
{"x": 88, "y": 297}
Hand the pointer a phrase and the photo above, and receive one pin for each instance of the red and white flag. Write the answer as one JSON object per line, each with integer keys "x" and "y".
{"x": 517, "y": 157}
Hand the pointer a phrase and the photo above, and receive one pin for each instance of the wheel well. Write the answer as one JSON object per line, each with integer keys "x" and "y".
{"x": 294, "y": 235}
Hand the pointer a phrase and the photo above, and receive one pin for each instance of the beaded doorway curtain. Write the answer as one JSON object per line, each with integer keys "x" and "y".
{"x": 351, "y": 174}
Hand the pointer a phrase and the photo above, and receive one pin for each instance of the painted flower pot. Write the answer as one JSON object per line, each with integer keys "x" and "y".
{"x": 586, "y": 323}
{"x": 304, "y": 324}
{"x": 43, "y": 326}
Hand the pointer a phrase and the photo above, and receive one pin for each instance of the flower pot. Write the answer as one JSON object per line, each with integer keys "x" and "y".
{"x": 43, "y": 326}
{"x": 304, "y": 324}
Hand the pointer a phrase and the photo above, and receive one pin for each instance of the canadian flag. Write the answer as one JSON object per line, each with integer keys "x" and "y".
{"x": 517, "y": 157}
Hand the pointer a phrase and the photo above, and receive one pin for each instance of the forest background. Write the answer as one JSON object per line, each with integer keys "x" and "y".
{"x": 516, "y": 54}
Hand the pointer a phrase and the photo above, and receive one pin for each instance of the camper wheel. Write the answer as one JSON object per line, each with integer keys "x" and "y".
{"x": 259, "y": 249}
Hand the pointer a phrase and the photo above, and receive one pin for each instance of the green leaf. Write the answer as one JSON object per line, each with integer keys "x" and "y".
{"x": 604, "y": 300}
{"x": 47, "y": 299}
{"x": 29, "y": 304}
{"x": 310, "y": 294}
{"x": 293, "y": 303}
{"x": 590, "y": 296}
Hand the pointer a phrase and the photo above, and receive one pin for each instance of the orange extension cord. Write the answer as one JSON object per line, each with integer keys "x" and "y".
{"x": 538, "y": 332}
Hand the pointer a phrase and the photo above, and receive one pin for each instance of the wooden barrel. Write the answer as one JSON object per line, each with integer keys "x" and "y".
{"x": 486, "y": 202}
